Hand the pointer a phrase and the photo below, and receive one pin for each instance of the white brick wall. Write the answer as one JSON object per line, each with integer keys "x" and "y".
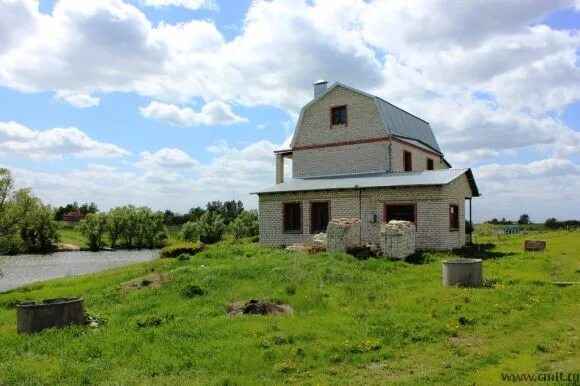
{"x": 360, "y": 158}
{"x": 432, "y": 205}
{"x": 418, "y": 158}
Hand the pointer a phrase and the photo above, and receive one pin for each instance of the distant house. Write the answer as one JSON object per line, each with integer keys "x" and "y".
{"x": 356, "y": 155}
{"x": 73, "y": 217}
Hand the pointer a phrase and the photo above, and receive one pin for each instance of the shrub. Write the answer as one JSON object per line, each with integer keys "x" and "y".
{"x": 192, "y": 290}
{"x": 183, "y": 257}
{"x": 211, "y": 227}
{"x": 182, "y": 248}
{"x": 190, "y": 231}
{"x": 246, "y": 225}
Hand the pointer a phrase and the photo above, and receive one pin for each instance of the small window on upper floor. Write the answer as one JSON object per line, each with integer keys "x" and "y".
{"x": 430, "y": 164}
{"x": 338, "y": 116}
{"x": 407, "y": 161}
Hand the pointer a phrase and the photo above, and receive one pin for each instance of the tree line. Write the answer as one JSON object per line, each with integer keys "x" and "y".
{"x": 29, "y": 226}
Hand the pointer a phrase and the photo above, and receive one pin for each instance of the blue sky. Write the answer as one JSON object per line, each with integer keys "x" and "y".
{"x": 172, "y": 103}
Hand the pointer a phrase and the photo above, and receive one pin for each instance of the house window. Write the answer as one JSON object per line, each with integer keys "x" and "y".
{"x": 319, "y": 216}
{"x": 453, "y": 217}
{"x": 338, "y": 116}
{"x": 407, "y": 161}
{"x": 405, "y": 212}
{"x": 430, "y": 164}
{"x": 292, "y": 217}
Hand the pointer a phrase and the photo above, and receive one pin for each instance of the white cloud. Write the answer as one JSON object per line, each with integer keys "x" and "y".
{"x": 167, "y": 179}
{"x": 166, "y": 158}
{"x": 21, "y": 141}
{"x": 212, "y": 113}
{"x": 544, "y": 188}
{"x": 190, "y": 4}
{"x": 77, "y": 100}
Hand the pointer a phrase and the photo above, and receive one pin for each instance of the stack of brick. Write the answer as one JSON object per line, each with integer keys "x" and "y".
{"x": 398, "y": 239}
{"x": 342, "y": 234}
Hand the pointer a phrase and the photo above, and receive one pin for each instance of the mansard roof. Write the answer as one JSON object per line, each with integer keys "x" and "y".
{"x": 397, "y": 122}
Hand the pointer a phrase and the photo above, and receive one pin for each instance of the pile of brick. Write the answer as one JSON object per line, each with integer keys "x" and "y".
{"x": 319, "y": 240}
{"x": 342, "y": 234}
{"x": 398, "y": 239}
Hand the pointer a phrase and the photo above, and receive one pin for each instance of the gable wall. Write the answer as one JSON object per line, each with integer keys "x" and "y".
{"x": 364, "y": 124}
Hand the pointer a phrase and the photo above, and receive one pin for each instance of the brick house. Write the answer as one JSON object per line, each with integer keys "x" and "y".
{"x": 356, "y": 155}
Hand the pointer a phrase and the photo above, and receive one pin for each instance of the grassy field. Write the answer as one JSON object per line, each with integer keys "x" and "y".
{"x": 354, "y": 322}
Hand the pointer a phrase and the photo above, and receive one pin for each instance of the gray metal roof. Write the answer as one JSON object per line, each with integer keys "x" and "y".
{"x": 373, "y": 180}
{"x": 405, "y": 125}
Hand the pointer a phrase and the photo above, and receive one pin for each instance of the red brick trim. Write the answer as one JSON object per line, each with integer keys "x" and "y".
{"x": 363, "y": 141}
{"x": 337, "y": 144}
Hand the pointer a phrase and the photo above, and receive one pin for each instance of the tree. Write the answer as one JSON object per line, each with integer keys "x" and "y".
{"x": 246, "y": 224}
{"x": 190, "y": 231}
{"x": 551, "y": 223}
{"x": 149, "y": 227}
{"x": 115, "y": 225}
{"x": 93, "y": 227}
{"x": 15, "y": 204}
{"x": 195, "y": 214}
{"x": 524, "y": 219}
{"x": 211, "y": 227}
{"x": 88, "y": 208}
{"x": 39, "y": 231}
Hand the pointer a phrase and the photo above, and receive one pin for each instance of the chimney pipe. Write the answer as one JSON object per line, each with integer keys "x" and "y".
{"x": 319, "y": 87}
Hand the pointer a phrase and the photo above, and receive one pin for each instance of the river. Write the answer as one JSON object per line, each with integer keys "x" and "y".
{"x": 20, "y": 270}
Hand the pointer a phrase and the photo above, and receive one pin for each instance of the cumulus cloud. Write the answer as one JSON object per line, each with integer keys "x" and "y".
{"x": 166, "y": 179}
{"x": 212, "y": 114}
{"x": 544, "y": 188}
{"x": 77, "y": 100}
{"x": 21, "y": 141}
{"x": 190, "y": 4}
{"x": 166, "y": 158}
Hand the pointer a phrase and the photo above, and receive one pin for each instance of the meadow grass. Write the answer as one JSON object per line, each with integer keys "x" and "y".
{"x": 355, "y": 322}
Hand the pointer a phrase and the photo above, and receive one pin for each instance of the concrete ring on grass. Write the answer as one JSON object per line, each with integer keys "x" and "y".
{"x": 60, "y": 312}
{"x": 463, "y": 272}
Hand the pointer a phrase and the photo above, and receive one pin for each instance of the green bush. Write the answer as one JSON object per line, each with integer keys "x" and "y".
{"x": 190, "y": 232}
{"x": 211, "y": 227}
{"x": 183, "y": 248}
{"x": 246, "y": 225}
{"x": 192, "y": 290}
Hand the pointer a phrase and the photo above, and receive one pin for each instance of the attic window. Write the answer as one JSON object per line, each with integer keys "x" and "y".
{"x": 429, "y": 164}
{"x": 338, "y": 116}
{"x": 407, "y": 161}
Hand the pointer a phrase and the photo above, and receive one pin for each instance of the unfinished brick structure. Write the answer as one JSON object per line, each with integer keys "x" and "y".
{"x": 355, "y": 155}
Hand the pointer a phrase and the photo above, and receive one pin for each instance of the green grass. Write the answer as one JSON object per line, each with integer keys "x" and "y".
{"x": 72, "y": 236}
{"x": 354, "y": 322}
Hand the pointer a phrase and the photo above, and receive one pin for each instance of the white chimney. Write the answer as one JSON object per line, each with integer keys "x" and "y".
{"x": 319, "y": 87}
